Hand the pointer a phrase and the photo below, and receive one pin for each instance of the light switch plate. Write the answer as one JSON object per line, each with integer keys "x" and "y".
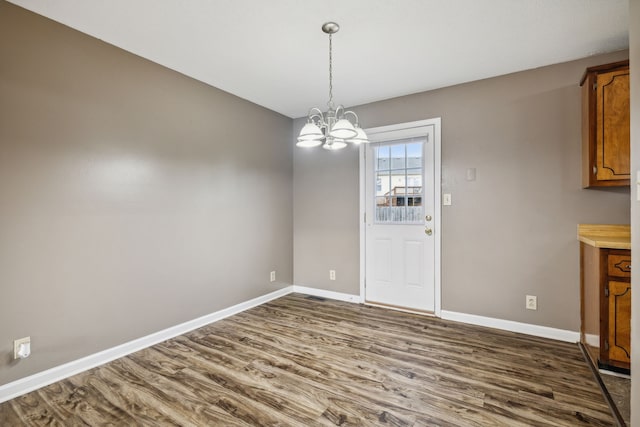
{"x": 446, "y": 199}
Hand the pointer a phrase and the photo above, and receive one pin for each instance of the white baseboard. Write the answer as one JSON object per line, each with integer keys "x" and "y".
{"x": 592, "y": 340}
{"x": 509, "y": 325}
{"x": 25, "y": 385}
{"x": 327, "y": 294}
{"x": 33, "y": 382}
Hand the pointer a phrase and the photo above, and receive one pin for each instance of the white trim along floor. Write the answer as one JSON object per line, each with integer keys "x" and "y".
{"x": 33, "y": 382}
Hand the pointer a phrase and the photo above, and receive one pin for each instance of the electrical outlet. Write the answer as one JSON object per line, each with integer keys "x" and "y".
{"x": 332, "y": 275}
{"x": 531, "y": 302}
{"x": 22, "y": 348}
{"x": 272, "y": 276}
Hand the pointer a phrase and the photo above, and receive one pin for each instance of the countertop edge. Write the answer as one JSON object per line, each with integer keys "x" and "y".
{"x": 600, "y": 242}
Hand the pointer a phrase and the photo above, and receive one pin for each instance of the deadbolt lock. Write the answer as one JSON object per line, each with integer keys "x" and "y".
{"x": 428, "y": 217}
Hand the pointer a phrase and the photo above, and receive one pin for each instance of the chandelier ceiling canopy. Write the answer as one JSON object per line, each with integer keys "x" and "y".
{"x": 337, "y": 126}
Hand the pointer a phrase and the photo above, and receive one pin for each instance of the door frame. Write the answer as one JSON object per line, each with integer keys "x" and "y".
{"x": 390, "y": 133}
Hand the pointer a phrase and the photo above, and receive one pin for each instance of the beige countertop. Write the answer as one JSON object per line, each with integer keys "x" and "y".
{"x": 605, "y": 235}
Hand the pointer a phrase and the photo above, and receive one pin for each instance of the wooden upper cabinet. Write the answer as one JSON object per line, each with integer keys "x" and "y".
{"x": 606, "y": 126}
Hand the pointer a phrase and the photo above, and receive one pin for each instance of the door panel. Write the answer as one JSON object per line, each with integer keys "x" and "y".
{"x": 413, "y": 256}
{"x": 382, "y": 261}
{"x": 400, "y": 207}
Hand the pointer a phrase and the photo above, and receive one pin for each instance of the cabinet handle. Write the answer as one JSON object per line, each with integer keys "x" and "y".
{"x": 595, "y": 170}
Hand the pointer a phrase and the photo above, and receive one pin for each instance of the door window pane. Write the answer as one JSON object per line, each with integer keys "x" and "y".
{"x": 414, "y": 181}
{"x": 382, "y": 158}
{"x": 414, "y": 155}
{"x": 398, "y": 156}
{"x": 398, "y": 182}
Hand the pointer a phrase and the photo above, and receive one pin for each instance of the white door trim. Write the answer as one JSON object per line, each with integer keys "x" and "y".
{"x": 392, "y": 132}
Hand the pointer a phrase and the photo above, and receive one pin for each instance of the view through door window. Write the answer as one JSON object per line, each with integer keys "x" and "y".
{"x": 398, "y": 181}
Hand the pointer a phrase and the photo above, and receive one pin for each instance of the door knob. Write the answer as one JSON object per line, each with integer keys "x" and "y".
{"x": 428, "y": 231}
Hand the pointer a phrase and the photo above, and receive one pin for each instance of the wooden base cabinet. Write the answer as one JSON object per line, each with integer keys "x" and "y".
{"x": 618, "y": 343}
{"x": 606, "y": 126}
{"x": 605, "y": 309}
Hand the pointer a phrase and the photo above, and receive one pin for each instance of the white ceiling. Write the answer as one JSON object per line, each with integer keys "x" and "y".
{"x": 273, "y": 52}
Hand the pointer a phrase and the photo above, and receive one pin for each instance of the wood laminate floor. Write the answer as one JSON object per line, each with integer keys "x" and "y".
{"x": 297, "y": 361}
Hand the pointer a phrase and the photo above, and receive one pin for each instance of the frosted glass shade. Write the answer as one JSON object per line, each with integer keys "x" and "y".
{"x": 361, "y": 137}
{"x": 310, "y": 131}
{"x": 308, "y": 143}
{"x": 343, "y": 129}
{"x": 338, "y": 144}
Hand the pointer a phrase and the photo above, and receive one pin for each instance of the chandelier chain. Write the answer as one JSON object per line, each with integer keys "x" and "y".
{"x": 330, "y": 103}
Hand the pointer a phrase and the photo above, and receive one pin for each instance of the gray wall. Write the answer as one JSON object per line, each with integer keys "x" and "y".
{"x": 325, "y": 215}
{"x": 132, "y": 198}
{"x": 634, "y": 57}
{"x": 510, "y": 233}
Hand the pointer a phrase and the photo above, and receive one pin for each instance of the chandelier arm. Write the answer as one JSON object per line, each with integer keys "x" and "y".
{"x": 354, "y": 115}
{"x": 317, "y": 118}
{"x": 316, "y": 110}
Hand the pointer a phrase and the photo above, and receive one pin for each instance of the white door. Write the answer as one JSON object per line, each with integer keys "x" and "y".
{"x": 401, "y": 244}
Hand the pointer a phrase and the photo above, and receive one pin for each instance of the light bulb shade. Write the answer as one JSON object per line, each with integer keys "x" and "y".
{"x": 360, "y": 138}
{"x": 308, "y": 143}
{"x": 343, "y": 129}
{"x": 337, "y": 144}
{"x": 310, "y": 131}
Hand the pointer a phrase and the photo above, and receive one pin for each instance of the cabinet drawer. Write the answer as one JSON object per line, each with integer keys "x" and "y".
{"x": 619, "y": 265}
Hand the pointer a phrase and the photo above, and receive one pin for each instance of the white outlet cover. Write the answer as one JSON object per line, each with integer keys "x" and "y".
{"x": 531, "y": 302}
{"x": 18, "y": 345}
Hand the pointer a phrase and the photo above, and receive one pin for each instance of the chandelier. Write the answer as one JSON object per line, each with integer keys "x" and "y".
{"x": 332, "y": 129}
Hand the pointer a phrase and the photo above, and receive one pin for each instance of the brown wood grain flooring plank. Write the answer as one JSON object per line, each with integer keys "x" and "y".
{"x": 8, "y": 415}
{"x": 435, "y": 346}
{"x": 122, "y": 399}
{"x": 514, "y": 368}
{"x": 574, "y": 384}
{"x": 410, "y": 374}
{"x": 301, "y": 362}
{"x": 235, "y": 378}
{"x": 69, "y": 404}
{"x": 411, "y": 326}
{"x": 189, "y": 402}
{"x": 262, "y": 354}
{"x": 287, "y": 389}
{"x": 409, "y": 361}
{"x": 354, "y": 388}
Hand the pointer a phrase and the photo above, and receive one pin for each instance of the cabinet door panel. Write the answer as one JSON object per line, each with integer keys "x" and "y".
{"x": 613, "y": 130}
{"x": 619, "y": 265}
{"x": 619, "y": 321}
